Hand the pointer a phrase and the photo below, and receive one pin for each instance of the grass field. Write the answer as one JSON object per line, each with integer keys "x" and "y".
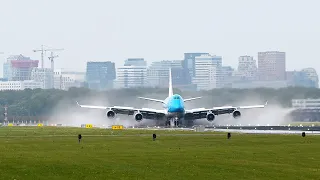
{"x": 54, "y": 153}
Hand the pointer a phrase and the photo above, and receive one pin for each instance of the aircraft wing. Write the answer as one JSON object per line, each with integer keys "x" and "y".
{"x": 147, "y": 113}
{"x": 202, "y": 112}
{"x": 150, "y": 99}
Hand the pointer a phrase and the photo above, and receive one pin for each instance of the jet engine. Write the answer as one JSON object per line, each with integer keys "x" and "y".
{"x": 210, "y": 116}
{"x": 111, "y": 114}
{"x": 236, "y": 114}
{"x": 138, "y": 116}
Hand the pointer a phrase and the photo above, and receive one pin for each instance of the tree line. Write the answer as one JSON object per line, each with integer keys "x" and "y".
{"x": 43, "y": 102}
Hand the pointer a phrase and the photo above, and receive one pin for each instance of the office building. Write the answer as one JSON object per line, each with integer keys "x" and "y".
{"x": 19, "y": 85}
{"x": 43, "y": 75}
{"x": 305, "y": 78}
{"x": 272, "y": 66}
{"x": 208, "y": 73}
{"x": 132, "y": 74}
{"x": 19, "y": 67}
{"x": 247, "y": 68}
{"x": 311, "y": 73}
{"x": 131, "y": 77}
{"x": 189, "y": 62}
{"x": 100, "y": 75}
{"x": 135, "y": 62}
{"x": 158, "y": 73}
{"x": 227, "y": 76}
{"x": 65, "y": 79}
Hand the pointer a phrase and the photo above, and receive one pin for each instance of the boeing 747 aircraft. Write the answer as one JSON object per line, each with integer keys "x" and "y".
{"x": 174, "y": 112}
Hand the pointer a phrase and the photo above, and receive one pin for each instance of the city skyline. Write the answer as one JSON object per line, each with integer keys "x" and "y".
{"x": 111, "y": 31}
{"x": 198, "y": 71}
{"x": 121, "y": 63}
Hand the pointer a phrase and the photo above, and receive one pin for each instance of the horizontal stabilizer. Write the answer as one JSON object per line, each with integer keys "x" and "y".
{"x": 190, "y": 99}
{"x": 150, "y": 99}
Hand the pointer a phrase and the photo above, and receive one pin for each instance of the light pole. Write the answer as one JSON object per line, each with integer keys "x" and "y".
{"x": 5, "y": 115}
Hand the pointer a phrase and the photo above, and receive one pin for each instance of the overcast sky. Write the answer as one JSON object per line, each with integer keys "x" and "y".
{"x": 105, "y": 30}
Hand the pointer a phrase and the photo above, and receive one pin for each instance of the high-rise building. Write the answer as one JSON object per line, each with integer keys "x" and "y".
{"x": 135, "y": 62}
{"x": 158, "y": 73}
{"x": 65, "y": 79}
{"x": 19, "y": 67}
{"x": 208, "y": 73}
{"x": 307, "y": 77}
{"x": 100, "y": 75}
{"x": 311, "y": 73}
{"x": 272, "y": 66}
{"x": 227, "y": 76}
{"x": 247, "y": 68}
{"x": 131, "y": 77}
{"x": 43, "y": 75}
{"x": 189, "y": 62}
{"x": 132, "y": 74}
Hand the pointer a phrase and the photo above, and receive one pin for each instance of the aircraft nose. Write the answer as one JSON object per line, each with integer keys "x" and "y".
{"x": 177, "y": 106}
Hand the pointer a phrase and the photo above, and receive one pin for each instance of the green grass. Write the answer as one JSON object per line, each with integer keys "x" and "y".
{"x": 41, "y": 153}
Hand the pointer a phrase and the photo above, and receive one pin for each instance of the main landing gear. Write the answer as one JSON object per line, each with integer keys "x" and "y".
{"x": 173, "y": 122}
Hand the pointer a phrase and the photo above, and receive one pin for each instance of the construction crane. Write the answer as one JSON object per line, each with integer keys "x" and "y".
{"x": 43, "y": 50}
{"x": 51, "y": 58}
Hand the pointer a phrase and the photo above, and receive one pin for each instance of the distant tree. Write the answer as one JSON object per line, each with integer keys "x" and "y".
{"x": 40, "y": 102}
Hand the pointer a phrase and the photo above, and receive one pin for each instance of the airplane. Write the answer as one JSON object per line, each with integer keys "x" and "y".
{"x": 173, "y": 109}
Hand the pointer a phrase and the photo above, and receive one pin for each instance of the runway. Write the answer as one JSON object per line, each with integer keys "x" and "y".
{"x": 265, "y": 131}
{"x": 315, "y": 130}
{"x": 283, "y": 128}
{"x": 312, "y": 130}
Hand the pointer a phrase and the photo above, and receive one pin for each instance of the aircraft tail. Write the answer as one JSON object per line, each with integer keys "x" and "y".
{"x": 170, "y": 84}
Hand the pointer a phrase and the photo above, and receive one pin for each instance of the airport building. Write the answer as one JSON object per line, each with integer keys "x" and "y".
{"x": 208, "y": 73}
{"x": 100, "y": 75}
{"x": 272, "y": 66}
{"x": 19, "y": 85}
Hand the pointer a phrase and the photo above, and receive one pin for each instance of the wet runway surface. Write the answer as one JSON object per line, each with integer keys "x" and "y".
{"x": 283, "y": 128}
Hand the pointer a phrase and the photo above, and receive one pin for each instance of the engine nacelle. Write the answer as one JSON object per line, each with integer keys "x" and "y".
{"x": 210, "y": 117}
{"x": 236, "y": 114}
{"x": 111, "y": 114}
{"x": 138, "y": 117}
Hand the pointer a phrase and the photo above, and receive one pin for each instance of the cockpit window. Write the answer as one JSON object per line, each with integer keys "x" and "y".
{"x": 176, "y": 97}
